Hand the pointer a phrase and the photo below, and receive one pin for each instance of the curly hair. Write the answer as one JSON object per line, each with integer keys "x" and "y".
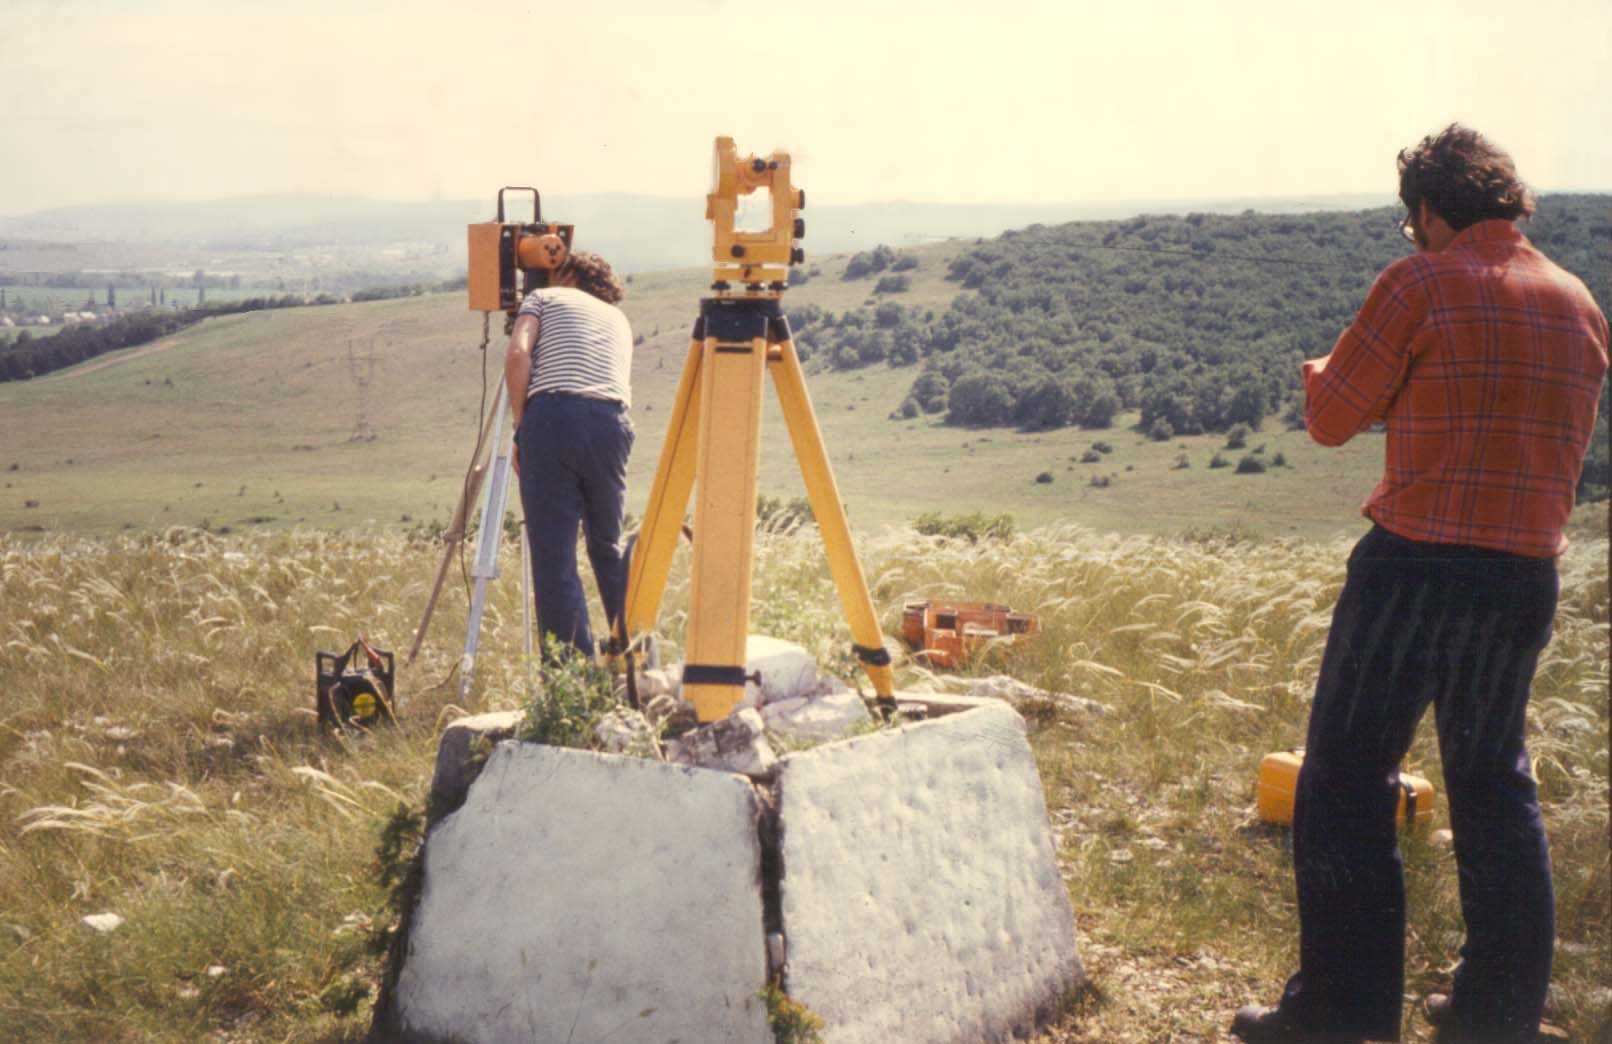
{"x": 1464, "y": 177}
{"x": 594, "y": 275}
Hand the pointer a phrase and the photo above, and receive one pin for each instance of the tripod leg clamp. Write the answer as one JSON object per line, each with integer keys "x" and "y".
{"x": 879, "y": 657}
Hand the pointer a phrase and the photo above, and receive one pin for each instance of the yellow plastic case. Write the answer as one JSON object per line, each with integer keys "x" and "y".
{"x": 1278, "y": 779}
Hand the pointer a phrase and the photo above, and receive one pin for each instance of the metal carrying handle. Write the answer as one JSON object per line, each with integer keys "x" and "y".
{"x": 537, "y": 202}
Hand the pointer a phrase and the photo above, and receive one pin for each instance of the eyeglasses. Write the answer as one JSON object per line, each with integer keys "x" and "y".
{"x": 1407, "y": 227}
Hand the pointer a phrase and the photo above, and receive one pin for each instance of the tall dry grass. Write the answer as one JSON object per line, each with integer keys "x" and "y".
{"x": 159, "y": 759}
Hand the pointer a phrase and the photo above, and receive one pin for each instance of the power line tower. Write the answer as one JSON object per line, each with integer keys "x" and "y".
{"x": 361, "y": 368}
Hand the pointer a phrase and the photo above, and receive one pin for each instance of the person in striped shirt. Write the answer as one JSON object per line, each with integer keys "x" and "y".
{"x": 568, "y": 372}
{"x": 1485, "y": 362}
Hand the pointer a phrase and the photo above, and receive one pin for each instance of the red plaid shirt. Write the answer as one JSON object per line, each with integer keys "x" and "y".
{"x": 1485, "y": 362}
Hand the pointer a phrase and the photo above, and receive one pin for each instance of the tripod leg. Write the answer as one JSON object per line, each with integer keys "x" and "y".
{"x": 485, "y": 567}
{"x": 724, "y": 522}
{"x": 456, "y": 528}
{"x": 824, "y": 495}
{"x": 668, "y": 500}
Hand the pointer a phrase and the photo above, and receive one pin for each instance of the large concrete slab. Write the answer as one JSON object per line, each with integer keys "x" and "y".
{"x": 921, "y": 896}
{"x": 587, "y": 897}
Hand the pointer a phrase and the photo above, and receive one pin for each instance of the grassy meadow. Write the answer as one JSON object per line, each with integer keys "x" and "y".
{"x": 248, "y": 421}
{"x": 160, "y": 761}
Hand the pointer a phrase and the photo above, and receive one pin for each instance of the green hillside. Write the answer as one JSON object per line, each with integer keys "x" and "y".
{"x": 249, "y": 420}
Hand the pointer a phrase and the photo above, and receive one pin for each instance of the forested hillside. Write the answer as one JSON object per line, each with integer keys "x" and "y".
{"x": 1196, "y": 323}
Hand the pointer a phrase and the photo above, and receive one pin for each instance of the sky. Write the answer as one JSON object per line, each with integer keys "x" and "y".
{"x": 1027, "y": 102}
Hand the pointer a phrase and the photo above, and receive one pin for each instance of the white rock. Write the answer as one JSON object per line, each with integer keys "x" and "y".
{"x": 817, "y": 719}
{"x": 661, "y": 681}
{"x": 787, "y": 670}
{"x": 1014, "y": 691}
{"x": 626, "y": 731}
{"x": 104, "y": 923}
{"x": 588, "y": 897}
{"x": 216, "y": 971}
{"x": 737, "y": 743}
{"x": 921, "y": 896}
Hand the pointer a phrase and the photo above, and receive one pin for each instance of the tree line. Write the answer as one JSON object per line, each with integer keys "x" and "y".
{"x": 29, "y": 356}
{"x": 1194, "y": 323}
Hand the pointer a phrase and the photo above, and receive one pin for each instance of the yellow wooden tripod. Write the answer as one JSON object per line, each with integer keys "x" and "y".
{"x": 713, "y": 441}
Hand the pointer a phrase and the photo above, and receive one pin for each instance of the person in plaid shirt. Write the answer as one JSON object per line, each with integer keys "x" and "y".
{"x": 1484, "y": 361}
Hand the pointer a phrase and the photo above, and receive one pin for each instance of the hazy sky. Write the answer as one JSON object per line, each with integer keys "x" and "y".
{"x": 113, "y": 100}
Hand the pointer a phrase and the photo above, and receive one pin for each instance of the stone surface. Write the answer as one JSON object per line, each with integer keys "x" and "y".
{"x": 737, "y": 743}
{"x": 921, "y": 897}
{"x": 787, "y": 670}
{"x": 459, "y": 757}
{"x": 625, "y": 731}
{"x": 589, "y": 897}
{"x": 1006, "y": 687}
{"x": 102, "y": 923}
{"x": 817, "y": 718}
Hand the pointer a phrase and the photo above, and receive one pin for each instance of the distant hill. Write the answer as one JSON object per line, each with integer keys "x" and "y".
{"x": 283, "y": 236}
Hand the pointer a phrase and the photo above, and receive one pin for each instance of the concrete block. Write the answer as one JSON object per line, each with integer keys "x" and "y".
{"x": 921, "y": 898}
{"x": 459, "y": 757}
{"x": 588, "y": 897}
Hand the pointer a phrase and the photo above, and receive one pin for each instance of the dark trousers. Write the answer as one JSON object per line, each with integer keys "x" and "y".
{"x": 1460, "y": 628}
{"x": 573, "y": 472}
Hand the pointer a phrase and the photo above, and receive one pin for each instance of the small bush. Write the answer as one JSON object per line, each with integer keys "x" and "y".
{"x": 1237, "y": 437}
{"x": 1101, "y": 481}
{"x": 1181, "y": 462}
{"x": 1279, "y": 461}
{"x": 1250, "y": 465}
{"x": 892, "y": 284}
{"x": 1102, "y": 447}
{"x": 973, "y": 527}
{"x": 791, "y": 1021}
{"x": 1044, "y": 478}
{"x": 1091, "y": 456}
{"x": 1161, "y": 431}
{"x": 575, "y": 695}
{"x": 1217, "y": 461}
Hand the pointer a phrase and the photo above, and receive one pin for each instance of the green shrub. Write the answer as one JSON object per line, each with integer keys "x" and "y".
{"x": 791, "y": 1021}
{"x": 1217, "y": 461}
{"x": 1091, "y": 456}
{"x": 1279, "y": 461}
{"x": 1102, "y": 447}
{"x": 1237, "y": 437}
{"x": 1044, "y": 478}
{"x": 575, "y": 695}
{"x": 1161, "y": 431}
{"x": 972, "y": 527}
{"x": 1250, "y": 465}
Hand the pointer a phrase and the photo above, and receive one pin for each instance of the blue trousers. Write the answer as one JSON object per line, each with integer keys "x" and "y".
{"x": 1460, "y": 628}
{"x": 573, "y": 473}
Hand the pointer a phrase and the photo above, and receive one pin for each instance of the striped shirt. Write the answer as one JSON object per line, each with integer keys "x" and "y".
{"x": 584, "y": 346}
{"x": 1485, "y": 361}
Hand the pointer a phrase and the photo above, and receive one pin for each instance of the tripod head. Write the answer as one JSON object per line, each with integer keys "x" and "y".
{"x": 753, "y": 263}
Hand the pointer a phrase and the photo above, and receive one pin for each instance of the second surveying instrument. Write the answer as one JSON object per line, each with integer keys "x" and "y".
{"x": 712, "y": 441}
{"x": 507, "y": 261}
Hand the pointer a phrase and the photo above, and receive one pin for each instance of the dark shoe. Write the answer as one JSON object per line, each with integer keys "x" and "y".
{"x": 1440, "y": 1014}
{"x": 1260, "y": 1025}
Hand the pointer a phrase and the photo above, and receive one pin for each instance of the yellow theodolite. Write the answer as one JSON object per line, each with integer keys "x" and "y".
{"x": 713, "y": 437}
